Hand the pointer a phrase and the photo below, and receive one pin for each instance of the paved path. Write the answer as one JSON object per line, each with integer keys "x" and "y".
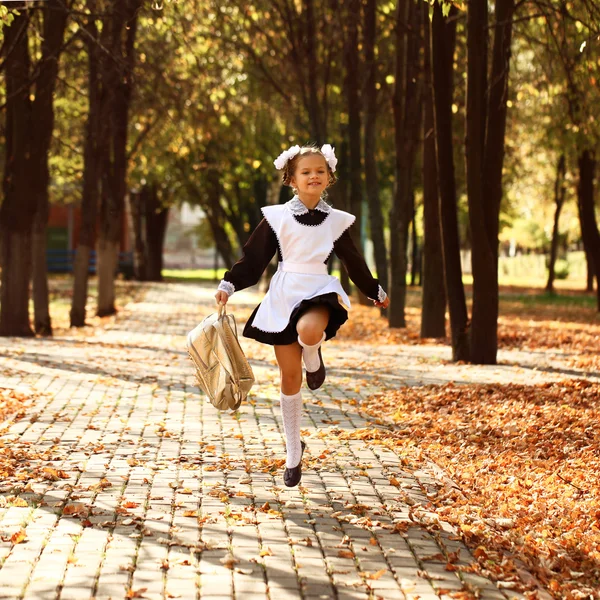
{"x": 142, "y": 489}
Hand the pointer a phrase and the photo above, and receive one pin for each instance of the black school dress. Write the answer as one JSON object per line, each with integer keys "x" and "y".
{"x": 263, "y": 244}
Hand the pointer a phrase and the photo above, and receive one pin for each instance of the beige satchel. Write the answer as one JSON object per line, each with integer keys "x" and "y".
{"x": 222, "y": 370}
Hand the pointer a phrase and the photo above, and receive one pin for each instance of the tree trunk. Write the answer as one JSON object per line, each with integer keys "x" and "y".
{"x": 559, "y": 200}
{"x": 117, "y": 78}
{"x": 106, "y": 266}
{"x": 442, "y": 52}
{"x": 370, "y": 141}
{"x": 343, "y": 195}
{"x": 406, "y": 105}
{"x": 486, "y": 125}
{"x": 587, "y": 213}
{"x": 55, "y": 20}
{"x": 351, "y": 83}
{"x": 95, "y": 133}
{"x": 18, "y": 206}
{"x": 433, "y": 303}
{"x": 136, "y": 203}
{"x": 317, "y": 123}
{"x": 482, "y": 255}
{"x": 41, "y": 297}
{"x": 156, "y": 218}
{"x": 415, "y": 262}
{"x": 589, "y": 285}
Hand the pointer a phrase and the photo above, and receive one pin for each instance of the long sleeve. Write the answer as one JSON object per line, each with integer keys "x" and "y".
{"x": 257, "y": 253}
{"x": 356, "y": 266}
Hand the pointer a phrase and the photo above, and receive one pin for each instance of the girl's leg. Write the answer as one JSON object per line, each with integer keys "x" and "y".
{"x": 289, "y": 359}
{"x": 311, "y": 334}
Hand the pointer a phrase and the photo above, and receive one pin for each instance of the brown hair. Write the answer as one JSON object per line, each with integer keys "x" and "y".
{"x": 290, "y": 165}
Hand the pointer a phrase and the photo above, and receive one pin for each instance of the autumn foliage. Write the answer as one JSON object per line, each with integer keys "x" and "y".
{"x": 525, "y": 473}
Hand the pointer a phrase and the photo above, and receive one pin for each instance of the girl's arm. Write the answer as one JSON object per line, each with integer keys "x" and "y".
{"x": 257, "y": 254}
{"x": 357, "y": 268}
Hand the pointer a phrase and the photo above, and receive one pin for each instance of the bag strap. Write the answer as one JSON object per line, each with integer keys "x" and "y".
{"x": 218, "y": 326}
{"x": 223, "y": 314}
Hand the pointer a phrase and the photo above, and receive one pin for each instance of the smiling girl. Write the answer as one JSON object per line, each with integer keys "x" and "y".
{"x": 304, "y": 306}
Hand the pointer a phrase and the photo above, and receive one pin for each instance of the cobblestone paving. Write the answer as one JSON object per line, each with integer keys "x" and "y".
{"x": 147, "y": 491}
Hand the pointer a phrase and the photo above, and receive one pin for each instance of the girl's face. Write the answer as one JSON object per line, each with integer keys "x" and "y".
{"x": 311, "y": 176}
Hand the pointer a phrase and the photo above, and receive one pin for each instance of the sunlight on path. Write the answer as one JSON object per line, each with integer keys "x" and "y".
{"x": 120, "y": 481}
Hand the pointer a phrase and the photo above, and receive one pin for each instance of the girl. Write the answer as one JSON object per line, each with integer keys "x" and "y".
{"x": 304, "y": 305}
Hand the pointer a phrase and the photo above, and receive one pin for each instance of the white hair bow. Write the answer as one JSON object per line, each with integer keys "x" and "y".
{"x": 282, "y": 159}
{"x": 326, "y": 149}
{"x": 329, "y": 154}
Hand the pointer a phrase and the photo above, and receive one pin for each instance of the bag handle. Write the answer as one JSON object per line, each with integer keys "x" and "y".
{"x": 223, "y": 314}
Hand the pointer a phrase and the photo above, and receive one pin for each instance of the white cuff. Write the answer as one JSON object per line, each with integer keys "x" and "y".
{"x": 381, "y": 296}
{"x": 227, "y": 287}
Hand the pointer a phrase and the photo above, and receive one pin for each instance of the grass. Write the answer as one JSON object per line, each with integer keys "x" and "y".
{"x": 585, "y": 301}
{"x": 191, "y": 275}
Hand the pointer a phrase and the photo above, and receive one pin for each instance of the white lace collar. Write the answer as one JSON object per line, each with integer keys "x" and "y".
{"x": 297, "y": 207}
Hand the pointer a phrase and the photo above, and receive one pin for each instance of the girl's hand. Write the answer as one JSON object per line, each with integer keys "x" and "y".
{"x": 383, "y": 304}
{"x": 221, "y": 297}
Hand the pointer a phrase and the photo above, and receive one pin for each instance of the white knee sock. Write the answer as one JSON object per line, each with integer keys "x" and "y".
{"x": 291, "y": 411}
{"x": 310, "y": 354}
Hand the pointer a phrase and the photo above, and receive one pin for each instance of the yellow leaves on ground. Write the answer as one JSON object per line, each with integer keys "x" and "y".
{"x": 526, "y": 465}
{"x": 54, "y": 474}
{"x": 13, "y": 456}
{"x": 521, "y": 325}
{"x": 12, "y": 404}
{"x": 73, "y": 509}
{"x": 16, "y": 538}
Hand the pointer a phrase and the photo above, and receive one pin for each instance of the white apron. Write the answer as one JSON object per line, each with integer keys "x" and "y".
{"x": 303, "y": 273}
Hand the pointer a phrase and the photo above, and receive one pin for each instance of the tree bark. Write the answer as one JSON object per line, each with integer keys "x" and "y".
{"x": 55, "y": 20}
{"x": 589, "y": 285}
{"x": 117, "y": 78}
{"x": 559, "y": 200}
{"x": 415, "y": 253}
{"x": 136, "y": 203}
{"x": 351, "y": 82}
{"x": 18, "y": 206}
{"x": 486, "y": 126}
{"x": 96, "y": 133}
{"x": 315, "y": 110}
{"x": 443, "y": 44}
{"x": 342, "y": 193}
{"x": 433, "y": 303}
{"x": 156, "y": 218}
{"x": 406, "y": 108}
{"x": 370, "y": 143}
{"x": 587, "y": 212}
{"x": 482, "y": 254}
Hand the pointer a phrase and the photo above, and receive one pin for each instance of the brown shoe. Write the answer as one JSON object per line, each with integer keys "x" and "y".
{"x": 315, "y": 379}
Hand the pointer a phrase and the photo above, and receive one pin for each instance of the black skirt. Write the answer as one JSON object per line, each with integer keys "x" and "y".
{"x": 338, "y": 315}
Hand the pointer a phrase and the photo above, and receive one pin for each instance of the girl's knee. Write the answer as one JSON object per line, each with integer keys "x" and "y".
{"x": 309, "y": 333}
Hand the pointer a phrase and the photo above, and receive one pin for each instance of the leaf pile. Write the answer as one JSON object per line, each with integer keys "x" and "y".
{"x": 527, "y": 462}
{"x": 578, "y": 340}
{"x": 365, "y": 324}
{"x": 12, "y": 408}
{"x": 572, "y": 331}
{"x": 12, "y": 405}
